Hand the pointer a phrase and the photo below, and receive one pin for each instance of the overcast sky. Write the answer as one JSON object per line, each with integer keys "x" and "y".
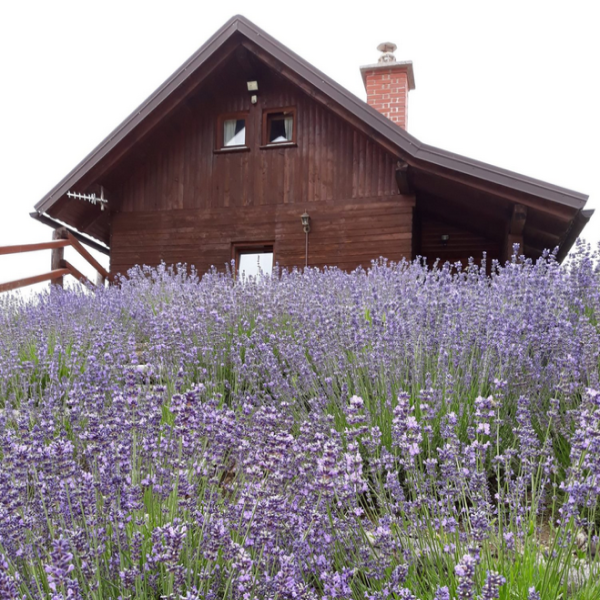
{"x": 514, "y": 84}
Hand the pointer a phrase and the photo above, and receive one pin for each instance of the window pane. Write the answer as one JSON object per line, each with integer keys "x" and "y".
{"x": 280, "y": 128}
{"x": 234, "y": 132}
{"x": 251, "y": 263}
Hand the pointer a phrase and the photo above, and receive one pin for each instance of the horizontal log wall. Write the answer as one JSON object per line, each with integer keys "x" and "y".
{"x": 346, "y": 236}
{"x": 461, "y": 245}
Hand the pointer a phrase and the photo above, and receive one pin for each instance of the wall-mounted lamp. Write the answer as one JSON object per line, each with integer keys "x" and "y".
{"x": 305, "y": 218}
{"x": 305, "y": 222}
{"x": 445, "y": 239}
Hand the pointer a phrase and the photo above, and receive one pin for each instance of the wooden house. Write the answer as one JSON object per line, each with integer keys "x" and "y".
{"x": 246, "y": 137}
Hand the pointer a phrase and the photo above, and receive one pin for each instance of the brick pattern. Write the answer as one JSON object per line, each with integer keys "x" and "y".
{"x": 387, "y": 92}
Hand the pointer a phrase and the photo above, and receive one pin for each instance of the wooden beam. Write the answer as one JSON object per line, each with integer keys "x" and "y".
{"x": 19, "y": 283}
{"x": 76, "y": 273}
{"x": 77, "y": 246}
{"x": 33, "y": 247}
{"x": 404, "y": 185}
{"x": 518, "y": 218}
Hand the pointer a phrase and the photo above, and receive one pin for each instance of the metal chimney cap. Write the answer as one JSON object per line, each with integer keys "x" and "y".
{"x": 387, "y": 49}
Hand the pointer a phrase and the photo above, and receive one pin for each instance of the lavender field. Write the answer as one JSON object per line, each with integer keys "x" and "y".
{"x": 395, "y": 433}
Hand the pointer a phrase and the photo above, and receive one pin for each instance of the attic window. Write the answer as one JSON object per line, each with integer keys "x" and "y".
{"x": 231, "y": 131}
{"x": 234, "y": 132}
{"x": 279, "y": 126}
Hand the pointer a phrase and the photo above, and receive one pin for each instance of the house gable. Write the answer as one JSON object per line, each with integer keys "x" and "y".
{"x": 186, "y": 199}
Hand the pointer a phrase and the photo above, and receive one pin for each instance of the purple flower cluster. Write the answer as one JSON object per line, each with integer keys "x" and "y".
{"x": 310, "y": 435}
{"x": 8, "y": 583}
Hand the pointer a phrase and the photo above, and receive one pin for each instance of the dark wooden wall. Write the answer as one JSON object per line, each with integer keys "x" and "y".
{"x": 180, "y": 201}
{"x": 461, "y": 245}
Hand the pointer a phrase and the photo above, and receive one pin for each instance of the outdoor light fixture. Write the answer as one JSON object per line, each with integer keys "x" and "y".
{"x": 445, "y": 239}
{"x": 305, "y": 222}
{"x": 253, "y": 87}
{"x": 305, "y": 218}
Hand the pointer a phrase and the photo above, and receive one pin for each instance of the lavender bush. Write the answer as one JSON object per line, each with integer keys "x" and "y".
{"x": 400, "y": 432}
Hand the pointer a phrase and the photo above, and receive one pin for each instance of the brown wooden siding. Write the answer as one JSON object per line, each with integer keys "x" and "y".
{"x": 183, "y": 202}
{"x": 346, "y": 236}
{"x": 461, "y": 245}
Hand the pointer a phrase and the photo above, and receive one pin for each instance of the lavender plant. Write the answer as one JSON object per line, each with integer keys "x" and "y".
{"x": 397, "y": 432}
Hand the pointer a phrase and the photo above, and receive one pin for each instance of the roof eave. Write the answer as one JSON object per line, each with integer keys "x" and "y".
{"x": 579, "y": 222}
{"x": 85, "y": 239}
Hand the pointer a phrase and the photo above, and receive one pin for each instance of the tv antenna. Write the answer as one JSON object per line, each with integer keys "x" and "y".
{"x": 91, "y": 197}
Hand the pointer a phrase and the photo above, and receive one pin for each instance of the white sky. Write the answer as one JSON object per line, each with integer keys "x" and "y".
{"x": 512, "y": 83}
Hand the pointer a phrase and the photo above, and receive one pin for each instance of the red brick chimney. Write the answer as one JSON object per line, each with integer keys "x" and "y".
{"x": 387, "y": 83}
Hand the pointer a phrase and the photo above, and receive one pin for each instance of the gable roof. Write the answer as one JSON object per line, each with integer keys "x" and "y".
{"x": 416, "y": 154}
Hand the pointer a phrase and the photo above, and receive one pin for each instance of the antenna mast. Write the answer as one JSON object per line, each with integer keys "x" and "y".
{"x": 91, "y": 197}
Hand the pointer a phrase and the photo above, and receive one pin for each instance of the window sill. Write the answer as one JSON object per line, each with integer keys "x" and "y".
{"x": 232, "y": 149}
{"x": 279, "y": 145}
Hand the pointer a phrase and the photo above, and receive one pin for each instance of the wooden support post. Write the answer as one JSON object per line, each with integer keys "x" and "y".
{"x": 58, "y": 255}
{"x": 517, "y": 221}
{"x": 514, "y": 234}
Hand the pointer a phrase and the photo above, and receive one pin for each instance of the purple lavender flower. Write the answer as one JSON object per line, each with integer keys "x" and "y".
{"x": 184, "y": 436}
{"x": 491, "y": 587}
{"x": 60, "y": 568}
{"x": 465, "y": 571}
{"x": 442, "y": 593}
{"x": 8, "y": 585}
{"x": 533, "y": 594}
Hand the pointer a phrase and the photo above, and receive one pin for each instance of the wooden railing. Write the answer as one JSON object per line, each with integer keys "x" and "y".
{"x": 61, "y": 238}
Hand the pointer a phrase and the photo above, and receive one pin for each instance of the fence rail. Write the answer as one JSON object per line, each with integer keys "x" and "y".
{"x": 60, "y": 267}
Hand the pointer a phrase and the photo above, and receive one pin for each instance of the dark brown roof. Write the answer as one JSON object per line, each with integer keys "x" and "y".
{"x": 415, "y": 153}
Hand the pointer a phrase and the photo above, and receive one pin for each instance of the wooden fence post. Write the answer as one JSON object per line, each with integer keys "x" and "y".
{"x": 58, "y": 255}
